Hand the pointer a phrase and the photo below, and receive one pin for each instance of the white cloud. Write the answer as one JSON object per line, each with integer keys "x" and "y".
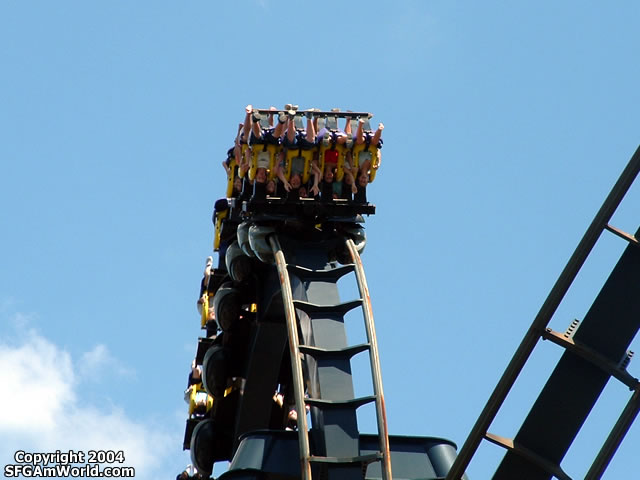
{"x": 35, "y": 387}
{"x": 42, "y": 409}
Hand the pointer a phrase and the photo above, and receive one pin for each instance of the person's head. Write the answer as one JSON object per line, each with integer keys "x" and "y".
{"x": 237, "y": 184}
{"x": 261, "y": 175}
{"x": 363, "y": 179}
{"x": 271, "y": 187}
{"x": 303, "y": 192}
{"x": 295, "y": 181}
{"x": 348, "y": 179}
{"x": 328, "y": 174}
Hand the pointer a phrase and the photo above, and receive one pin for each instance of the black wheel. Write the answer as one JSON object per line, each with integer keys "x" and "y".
{"x": 214, "y": 371}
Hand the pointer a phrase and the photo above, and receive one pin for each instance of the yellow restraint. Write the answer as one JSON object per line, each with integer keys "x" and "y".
{"x": 243, "y": 149}
{"x": 343, "y": 150}
{"x": 231, "y": 176}
{"x": 220, "y": 216}
{"x": 205, "y": 310}
{"x": 199, "y": 389}
{"x": 361, "y": 154}
{"x": 296, "y": 158}
{"x": 375, "y": 164}
{"x": 263, "y": 156}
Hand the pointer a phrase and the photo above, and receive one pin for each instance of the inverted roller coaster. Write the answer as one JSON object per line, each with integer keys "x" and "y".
{"x": 275, "y": 396}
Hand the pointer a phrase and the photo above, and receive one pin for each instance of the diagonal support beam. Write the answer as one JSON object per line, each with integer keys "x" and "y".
{"x": 615, "y": 438}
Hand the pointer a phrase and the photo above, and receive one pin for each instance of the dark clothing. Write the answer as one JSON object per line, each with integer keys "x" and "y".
{"x": 280, "y": 190}
{"x": 259, "y": 192}
{"x": 368, "y": 136}
{"x": 290, "y": 144}
{"x": 230, "y": 156}
{"x": 337, "y": 188}
{"x": 204, "y": 286}
{"x": 361, "y": 195}
{"x": 293, "y": 195}
{"x": 221, "y": 205}
{"x": 193, "y": 381}
{"x": 326, "y": 191}
{"x": 299, "y": 141}
{"x": 346, "y": 192}
{"x": 267, "y": 138}
{"x": 247, "y": 190}
{"x": 303, "y": 142}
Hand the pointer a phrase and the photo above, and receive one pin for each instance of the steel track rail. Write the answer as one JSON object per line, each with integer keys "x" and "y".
{"x": 374, "y": 357}
{"x": 296, "y": 363}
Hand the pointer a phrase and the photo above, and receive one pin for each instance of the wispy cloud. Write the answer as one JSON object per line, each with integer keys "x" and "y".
{"x": 100, "y": 359}
{"x": 16, "y": 320}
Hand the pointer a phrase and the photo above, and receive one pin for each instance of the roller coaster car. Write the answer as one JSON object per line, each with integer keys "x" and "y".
{"x": 299, "y": 159}
{"x": 367, "y": 152}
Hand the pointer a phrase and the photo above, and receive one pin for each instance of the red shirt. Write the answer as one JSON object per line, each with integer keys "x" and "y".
{"x": 331, "y": 156}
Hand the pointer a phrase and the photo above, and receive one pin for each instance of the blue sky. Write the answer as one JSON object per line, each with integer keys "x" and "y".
{"x": 507, "y": 123}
